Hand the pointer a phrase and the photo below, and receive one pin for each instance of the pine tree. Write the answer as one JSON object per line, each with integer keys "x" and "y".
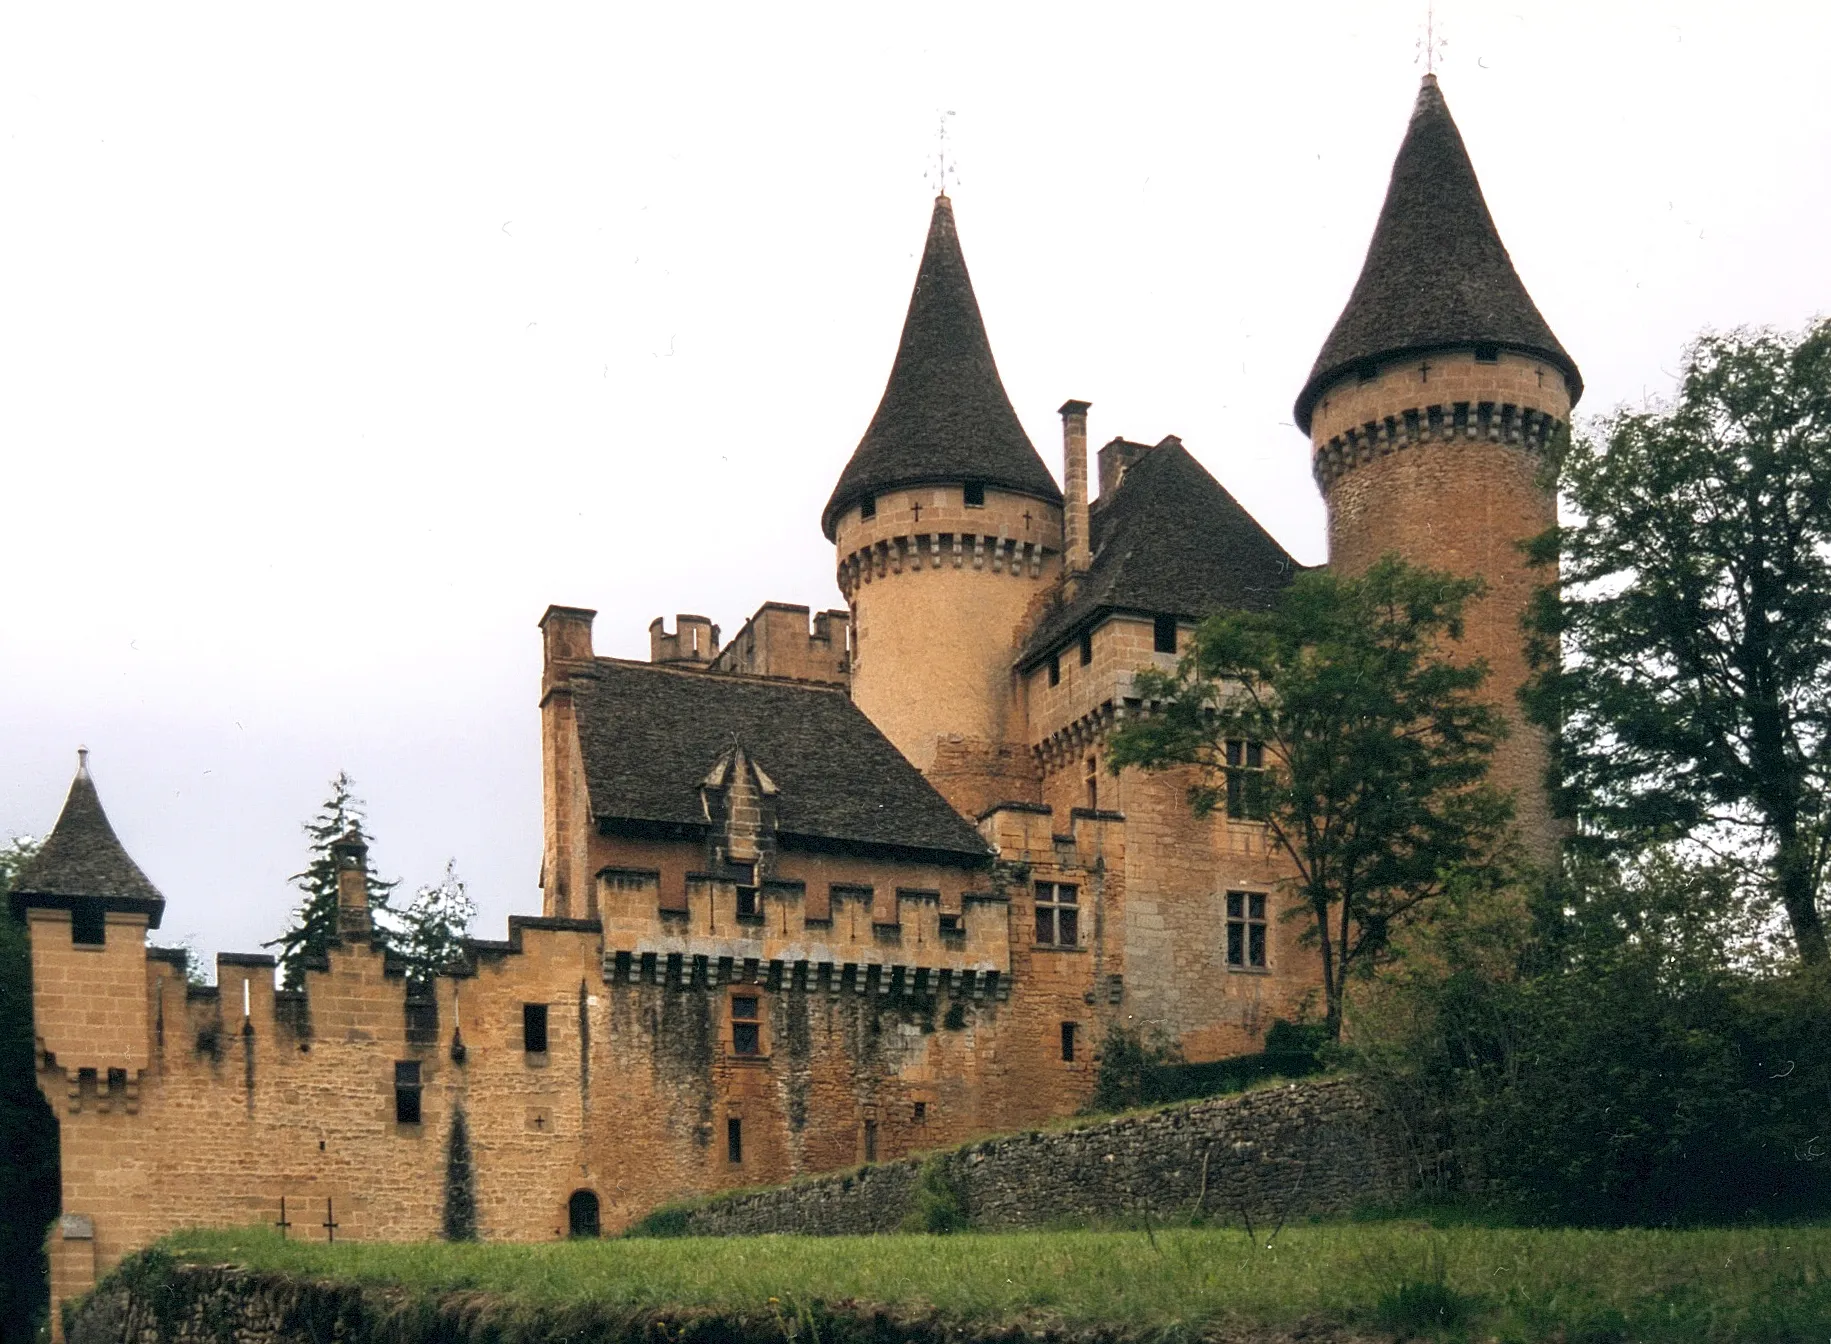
{"x": 314, "y": 922}
{"x": 428, "y": 933}
{"x": 28, "y": 1129}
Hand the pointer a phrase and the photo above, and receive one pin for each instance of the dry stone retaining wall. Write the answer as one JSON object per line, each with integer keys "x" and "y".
{"x": 1296, "y": 1150}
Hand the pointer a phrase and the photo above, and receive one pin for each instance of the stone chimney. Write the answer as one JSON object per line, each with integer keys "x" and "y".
{"x": 1077, "y": 544}
{"x": 351, "y": 855}
{"x": 1115, "y": 457}
{"x": 694, "y": 641}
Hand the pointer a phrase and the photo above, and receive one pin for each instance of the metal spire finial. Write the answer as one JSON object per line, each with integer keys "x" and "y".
{"x": 1430, "y": 46}
{"x": 944, "y": 167}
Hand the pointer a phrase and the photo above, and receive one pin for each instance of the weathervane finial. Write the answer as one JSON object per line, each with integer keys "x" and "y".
{"x": 1430, "y": 46}
{"x": 944, "y": 168}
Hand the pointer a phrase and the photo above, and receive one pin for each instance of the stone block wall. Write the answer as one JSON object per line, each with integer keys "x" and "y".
{"x": 1291, "y": 1151}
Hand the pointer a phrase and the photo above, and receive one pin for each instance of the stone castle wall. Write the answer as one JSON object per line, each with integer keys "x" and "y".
{"x": 1290, "y": 1151}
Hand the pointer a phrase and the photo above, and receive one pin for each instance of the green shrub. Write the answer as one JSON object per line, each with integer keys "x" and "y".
{"x": 671, "y": 1220}
{"x": 938, "y": 1205}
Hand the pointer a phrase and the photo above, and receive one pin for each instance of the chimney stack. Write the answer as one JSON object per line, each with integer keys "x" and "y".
{"x": 351, "y": 854}
{"x": 1077, "y": 544}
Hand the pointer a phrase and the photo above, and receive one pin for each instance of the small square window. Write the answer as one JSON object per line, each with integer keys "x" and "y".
{"x": 975, "y": 494}
{"x": 534, "y": 1028}
{"x": 1487, "y": 354}
{"x": 1068, "y": 1033}
{"x": 89, "y": 923}
{"x": 951, "y": 926}
{"x": 1055, "y": 669}
{"x": 407, "y": 1092}
{"x": 867, "y": 508}
{"x": 1163, "y": 634}
{"x": 1368, "y": 373}
{"x": 734, "y": 1140}
{"x": 748, "y": 905}
{"x": 1087, "y": 647}
{"x": 921, "y": 1113}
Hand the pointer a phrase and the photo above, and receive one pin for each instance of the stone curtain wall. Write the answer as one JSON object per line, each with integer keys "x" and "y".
{"x": 1290, "y": 1151}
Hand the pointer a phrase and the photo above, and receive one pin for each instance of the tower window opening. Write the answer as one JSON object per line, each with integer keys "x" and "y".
{"x": 746, "y": 1029}
{"x": 921, "y": 1113}
{"x": 1093, "y": 783}
{"x": 1368, "y": 373}
{"x": 1058, "y": 915}
{"x": 1487, "y": 354}
{"x": 867, "y": 507}
{"x": 870, "y": 1140}
{"x": 88, "y": 923}
{"x": 1055, "y": 669}
{"x": 1246, "y": 929}
{"x": 1087, "y": 647}
{"x": 534, "y": 1028}
{"x": 748, "y": 905}
{"x": 1068, "y": 1034}
{"x": 1245, "y": 779}
{"x": 407, "y": 1092}
{"x": 975, "y": 494}
{"x": 734, "y": 1140}
{"x": 1163, "y": 634}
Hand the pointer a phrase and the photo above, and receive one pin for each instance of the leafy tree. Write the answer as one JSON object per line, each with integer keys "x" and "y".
{"x": 1692, "y": 696}
{"x": 428, "y": 933}
{"x": 29, "y": 1185}
{"x": 1375, "y": 750}
{"x": 314, "y": 920}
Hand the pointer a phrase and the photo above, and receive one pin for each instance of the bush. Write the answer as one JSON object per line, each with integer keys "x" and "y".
{"x": 938, "y": 1205}
{"x": 1641, "y": 1064}
{"x": 1139, "y": 1069}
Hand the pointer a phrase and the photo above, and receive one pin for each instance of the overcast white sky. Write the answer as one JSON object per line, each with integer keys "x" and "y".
{"x": 338, "y": 341}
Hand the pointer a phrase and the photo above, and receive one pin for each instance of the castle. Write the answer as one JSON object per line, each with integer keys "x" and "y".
{"x": 837, "y": 890}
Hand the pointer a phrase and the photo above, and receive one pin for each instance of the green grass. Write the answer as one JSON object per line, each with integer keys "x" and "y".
{"x": 1478, "y": 1283}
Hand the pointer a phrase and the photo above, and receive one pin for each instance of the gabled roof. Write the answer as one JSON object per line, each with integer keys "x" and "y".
{"x": 1170, "y": 541}
{"x": 650, "y": 735}
{"x": 1436, "y": 274}
{"x": 944, "y": 415}
{"x": 82, "y": 857}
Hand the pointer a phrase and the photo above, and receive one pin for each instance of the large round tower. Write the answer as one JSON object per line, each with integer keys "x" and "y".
{"x": 947, "y": 526}
{"x": 1428, "y": 411}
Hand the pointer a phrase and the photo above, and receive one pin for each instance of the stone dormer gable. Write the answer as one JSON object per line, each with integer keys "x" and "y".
{"x": 1168, "y": 540}
{"x": 83, "y": 859}
{"x": 739, "y": 799}
{"x": 945, "y": 416}
{"x": 1437, "y": 275}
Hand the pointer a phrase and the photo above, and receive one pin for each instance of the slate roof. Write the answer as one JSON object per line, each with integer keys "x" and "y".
{"x": 1170, "y": 541}
{"x": 650, "y": 734}
{"x": 944, "y": 415}
{"x": 1436, "y": 274}
{"x": 83, "y": 857}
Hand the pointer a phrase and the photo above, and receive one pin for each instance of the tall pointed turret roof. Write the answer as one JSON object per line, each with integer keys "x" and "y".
{"x": 944, "y": 415}
{"x": 82, "y": 857}
{"x": 1436, "y": 273}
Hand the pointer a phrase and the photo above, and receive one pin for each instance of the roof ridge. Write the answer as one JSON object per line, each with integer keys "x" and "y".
{"x": 706, "y": 674}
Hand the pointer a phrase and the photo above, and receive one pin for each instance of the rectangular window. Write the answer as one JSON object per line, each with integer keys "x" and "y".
{"x": 534, "y": 1028}
{"x": 88, "y": 923}
{"x": 975, "y": 494}
{"x": 1087, "y": 647}
{"x": 1093, "y": 783}
{"x": 867, "y": 508}
{"x": 734, "y": 1140}
{"x": 1487, "y": 354}
{"x": 951, "y": 925}
{"x": 870, "y": 1140}
{"x": 1245, "y": 779}
{"x": 1055, "y": 669}
{"x": 1163, "y": 634}
{"x": 1246, "y": 929}
{"x": 748, "y": 904}
{"x": 746, "y": 1030}
{"x": 407, "y": 1092}
{"x": 1068, "y": 1031}
{"x": 921, "y": 1112}
{"x": 1057, "y": 915}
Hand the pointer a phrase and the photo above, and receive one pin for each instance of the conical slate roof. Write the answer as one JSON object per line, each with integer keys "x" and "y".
{"x": 1436, "y": 273}
{"x": 945, "y": 415}
{"x": 83, "y": 857}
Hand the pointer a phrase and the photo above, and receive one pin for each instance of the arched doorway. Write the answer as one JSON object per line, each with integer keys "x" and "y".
{"x": 582, "y": 1214}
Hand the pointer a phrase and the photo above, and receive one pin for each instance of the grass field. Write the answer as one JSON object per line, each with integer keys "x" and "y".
{"x": 1478, "y": 1283}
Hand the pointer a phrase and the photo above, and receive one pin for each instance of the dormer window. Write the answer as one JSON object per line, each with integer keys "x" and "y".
{"x": 975, "y": 494}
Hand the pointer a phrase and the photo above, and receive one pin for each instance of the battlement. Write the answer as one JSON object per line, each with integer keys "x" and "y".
{"x": 695, "y": 640}
{"x": 778, "y": 641}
